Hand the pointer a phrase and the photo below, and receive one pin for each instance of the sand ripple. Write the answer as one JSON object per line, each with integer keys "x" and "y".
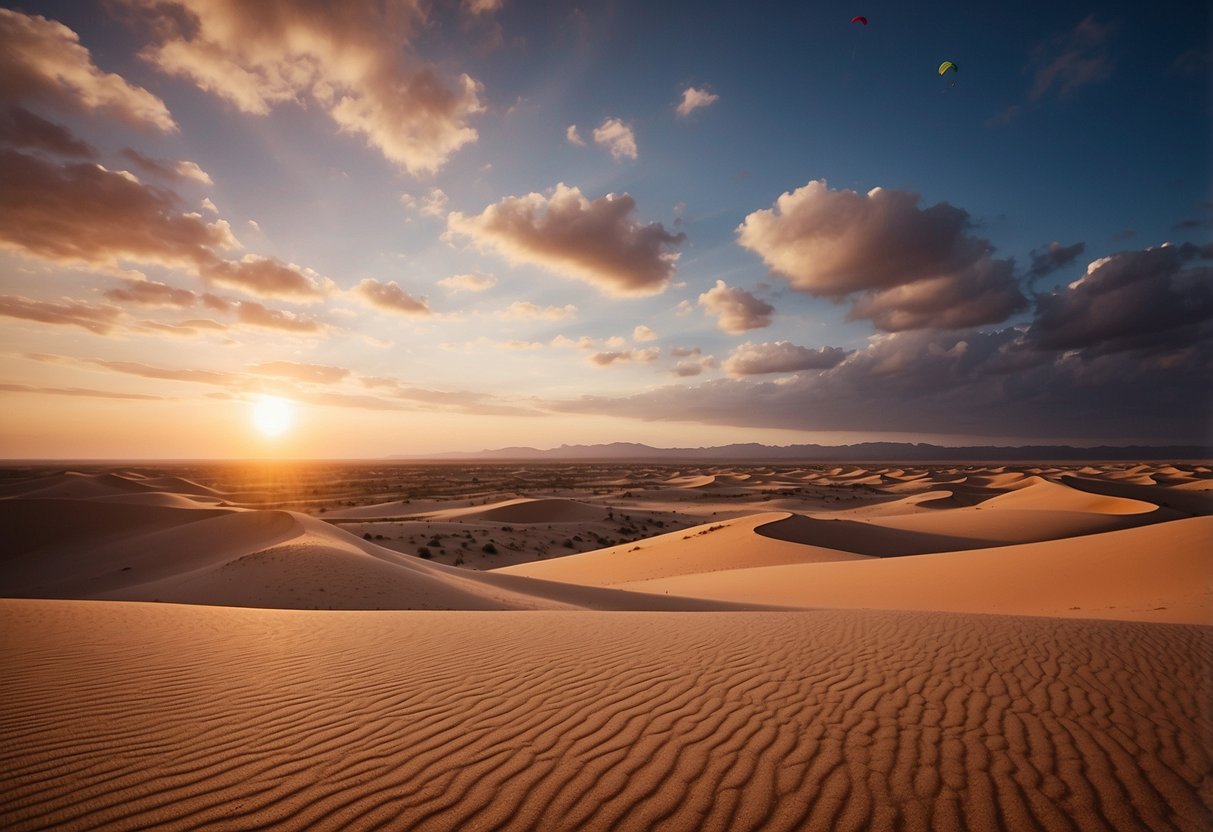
{"x": 133, "y": 716}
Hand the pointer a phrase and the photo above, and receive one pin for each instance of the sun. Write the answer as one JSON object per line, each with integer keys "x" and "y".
{"x": 272, "y": 415}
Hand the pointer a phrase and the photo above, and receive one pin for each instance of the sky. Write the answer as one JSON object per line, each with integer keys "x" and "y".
{"x": 437, "y": 226}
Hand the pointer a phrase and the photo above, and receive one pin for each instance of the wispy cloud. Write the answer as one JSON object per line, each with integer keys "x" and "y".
{"x": 96, "y": 319}
{"x": 468, "y": 282}
{"x": 1068, "y": 62}
{"x": 524, "y": 310}
{"x": 43, "y": 59}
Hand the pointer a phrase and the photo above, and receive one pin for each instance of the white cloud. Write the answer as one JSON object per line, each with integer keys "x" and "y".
{"x": 596, "y": 241}
{"x": 914, "y": 267}
{"x": 736, "y": 310}
{"x": 643, "y": 333}
{"x": 618, "y": 138}
{"x": 573, "y": 136}
{"x": 43, "y": 59}
{"x": 354, "y": 59}
{"x": 190, "y": 170}
{"x": 693, "y": 99}
{"x": 391, "y": 298}
{"x": 780, "y": 357}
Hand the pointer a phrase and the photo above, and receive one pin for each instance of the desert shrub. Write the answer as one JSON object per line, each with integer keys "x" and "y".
{"x": 425, "y": 553}
{"x": 366, "y": 535}
{"x": 489, "y": 549}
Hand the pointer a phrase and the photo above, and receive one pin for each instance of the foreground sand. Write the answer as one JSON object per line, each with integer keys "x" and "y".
{"x": 715, "y": 648}
{"x": 136, "y": 716}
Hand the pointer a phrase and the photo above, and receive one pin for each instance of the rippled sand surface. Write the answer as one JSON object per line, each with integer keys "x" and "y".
{"x": 236, "y": 718}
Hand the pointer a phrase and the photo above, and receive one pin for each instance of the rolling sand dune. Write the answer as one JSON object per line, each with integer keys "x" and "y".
{"x": 1154, "y": 573}
{"x": 713, "y": 665}
{"x": 525, "y": 510}
{"x": 1192, "y": 502}
{"x": 271, "y": 559}
{"x": 866, "y": 538}
{"x": 1035, "y": 493}
{"x": 197, "y": 716}
{"x": 728, "y": 545}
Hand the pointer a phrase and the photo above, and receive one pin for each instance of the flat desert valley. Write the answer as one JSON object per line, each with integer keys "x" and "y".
{"x": 607, "y": 646}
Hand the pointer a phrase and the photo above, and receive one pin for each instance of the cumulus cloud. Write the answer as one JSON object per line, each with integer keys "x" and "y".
{"x": 911, "y": 267}
{"x": 1124, "y": 354}
{"x": 19, "y": 128}
{"x": 573, "y": 136}
{"x": 82, "y": 213}
{"x": 945, "y": 383}
{"x": 1054, "y": 256}
{"x": 694, "y": 98}
{"x": 596, "y": 241}
{"x": 354, "y": 60}
{"x": 43, "y": 59}
{"x": 617, "y": 138}
{"x": 523, "y": 310}
{"x": 1068, "y": 62}
{"x": 1147, "y": 299}
{"x": 736, "y": 310}
{"x": 390, "y": 298}
{"x": 642, "y": 333}
{"x": 267, "y": 277}
{"x": 689, "y": 367}
{"x": 468, "y": 282}
{"x": 95, "y": 318}
{"x": 751, "y": 359}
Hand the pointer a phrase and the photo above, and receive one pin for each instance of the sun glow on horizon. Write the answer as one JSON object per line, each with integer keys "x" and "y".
{"x": 273, "y": 415}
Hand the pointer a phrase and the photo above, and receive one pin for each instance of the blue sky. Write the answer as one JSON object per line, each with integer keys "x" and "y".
{"x": 721, "y": 274}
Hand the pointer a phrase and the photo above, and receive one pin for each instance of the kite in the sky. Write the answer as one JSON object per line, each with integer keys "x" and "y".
{"x": 859, "y": 19}
{"x": 946, "y": 65}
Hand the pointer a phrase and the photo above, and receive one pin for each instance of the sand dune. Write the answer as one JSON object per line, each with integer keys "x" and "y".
{"x": 1192, "y": 502}
{"x": 249, "y": 558}
{"x": 1154, "y": 573}
{"x": 710, "y": 548}
{"x": 197, "y": 716}
{"x": 751, "y": 669}
{"x": 1035, "y": 493}
{"x": 524, "y": 510}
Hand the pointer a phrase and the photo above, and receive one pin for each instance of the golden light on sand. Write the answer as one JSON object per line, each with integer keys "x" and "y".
{"x": 273, "y": 415}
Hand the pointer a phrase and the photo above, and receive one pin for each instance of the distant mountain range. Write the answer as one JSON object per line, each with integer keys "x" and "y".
{"x": 863, "y": 452}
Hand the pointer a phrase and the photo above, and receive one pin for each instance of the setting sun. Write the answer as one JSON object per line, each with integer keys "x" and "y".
{"x": 273, "y": 415}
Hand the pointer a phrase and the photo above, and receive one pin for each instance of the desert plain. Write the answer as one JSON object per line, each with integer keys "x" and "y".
{"x": 383, "y": 645}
